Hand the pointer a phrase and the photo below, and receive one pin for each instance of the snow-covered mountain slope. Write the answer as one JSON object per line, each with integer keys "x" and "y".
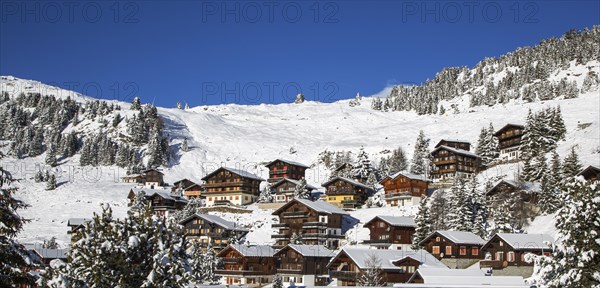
{"x": 248, "y": 136}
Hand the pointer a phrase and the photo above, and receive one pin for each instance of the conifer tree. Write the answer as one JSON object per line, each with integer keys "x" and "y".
{"x": 211, "y": 263}
{"x": 184, "y": 146}
{"x": 136, "y": 104}
{"x": 51, "y": 156}
{"x": 373, "y": 274}
{"x": 571, "y": 165}
{"x": 51, "y": 182}
{"x": 266, "y": 195}
{"x": 438, "y": 210}
{"x": 459, "y": 216}
{"x": 423, "y": 221}
{"x": 420, "y": 160}
{"x": 277, "y": 281}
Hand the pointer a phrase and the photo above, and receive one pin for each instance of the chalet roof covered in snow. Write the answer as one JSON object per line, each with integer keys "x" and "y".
{"x": 589, "y": 170}
{"x": 466, "y": 277}
{"x": 216, "y": 220}
{"x": 399, "y": 221}
{"x": 286, "y": 161}
{"x": 456, "y": 151}
{"x": 452, "y": 140}
{"x": 45, "y": 253}
{"x": 520, "y": 241}
{"x": 456, "y": 237}
{"x": 295, "y": 182}
{"x": 509, "y": 125}
{"x": 319, "y": 206}
{"x": 254, "y": 250}
{"x": 239, "y": 172}
{"x": 407, "y": 175}
{"x": 351, "y": 181}
{"x": 77, "y": 221}
{"x": 149, "y": 170}
{"x": 388, "y": 257}
{"x": 310, "y": 250}
{"x": 165, "y": 194}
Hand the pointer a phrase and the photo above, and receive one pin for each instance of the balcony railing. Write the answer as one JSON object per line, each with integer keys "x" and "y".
{"x": 386, "y": 241}
{"x": 240, "y": 272}
{"x": 280, "y": 236}
{"x": 396, "y": 194}
{"x": 343, "y": 275}
{"x": 280, "y": 225}
{"x": 298, "y": 214}
{"x": 290, "y": 271}
{"x": 229, "y": 260}
{"x": 341, "y": 192}
{"x": 317, "y": 225}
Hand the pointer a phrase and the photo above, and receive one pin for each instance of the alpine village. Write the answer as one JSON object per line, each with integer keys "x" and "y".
{"x": 434, "y": 220}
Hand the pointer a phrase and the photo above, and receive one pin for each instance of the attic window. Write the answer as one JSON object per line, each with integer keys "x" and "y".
{"x": 437, "y": 239}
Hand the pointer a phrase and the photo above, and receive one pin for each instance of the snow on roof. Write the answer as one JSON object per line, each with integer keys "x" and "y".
{"x": 452, "y": 140}
{"x": 166, "y": 194}
{"x": 239, "y": 172}
{"x": 319, "y": 206}
{"x": 295, "y": 182}
{"x": 46, "y": 253}
{"x": 590, "y": 167}
{"x": 520, "y": 241}
{"x": 311, "y": 250}
{"x": 287, "y": 161}
{"x": 456, "y": 150}
{"x": 507, "y": 126}
{"x": 152, "y": 169}
{"x": 387, "y": 257}
{"x": 351, "y": 181}
{"x": 457, "y": 237}
{"x": 410, "y": 176}
{"x": 216, "y": 220}
{"x": 446, "y": 276}
{"x": 254, "y": 250}
{"x": 435, "y": 271}
{"x": 77, "y": 221}
{"x": 400, "y": 221}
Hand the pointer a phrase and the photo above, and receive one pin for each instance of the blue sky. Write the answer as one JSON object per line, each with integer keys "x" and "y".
{"x": 251, "y": 52}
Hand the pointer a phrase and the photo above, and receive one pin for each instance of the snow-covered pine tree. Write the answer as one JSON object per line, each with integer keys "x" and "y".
{"x": 372, "y": 276}
{"x": 397, "y": 161}
{"x": 363, "y": 168}
{"x": 14, "y": 257}
{"x": 557, "y": 124}
{"x": 196, "y": 261}
{"x": 266, "y": 195}
{"x": 376, "y": 104}
{"x": 575, "y": 261}
{"x": 296, "y": 239}
{"x": 590, "y": 82}
{"x": 299, "y": 98}
{"x": 504, "y": 216}
{"x": 117, "y": 120}
{"x": 300, "y": 191}
{"x": 136, "y": 104}
{"x": 155, "y": 152}
{"x": 50, "y": 243}
{"x": 459, "y": 214}
{"x": 571, "y": 164}
{"x": 51, "y": 156}
{"x": 438, "y": 210}
{"x": 277, "y": 281}
{"x": 551, "y": 183}
{"x": 36, "y": 146}
{"x": 420, "y": 160}
{"x": 211, "y": 263}
{"x": 423, "y": 221}
{"x": 51, "y": 183}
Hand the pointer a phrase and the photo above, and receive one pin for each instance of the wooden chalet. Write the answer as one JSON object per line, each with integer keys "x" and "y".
{"x": 304, "y": 265}
{"x": 252, "y": 266}
{"x": 193, "y": 191}
{"x": 444, "y": 277}
{"x": 449, "y": 162}
{"x": 346, "y": 193}
{"x": 133, "y": 178}
{"x": 279, "y": 169}
{"x": 314, "y": 222}
{"x": 457, "y": 144}
{"x": 507, "y": 188}
{"x": 284, "y": 189}
{"x": 42, "y": 256}
{"x": 456, "y": 249}
{"x": 212, "y": 229}
{"x": 404, "y": 189}
{"x": 397, "y": 266}
{"x": 590, "y": 173}
{"x": 76, "y": 223}
{"x": 153, "y": 178}
{"x": 509, "y": 249}
{"x": 182, "y": 184}
{"x": 509, "y": 141}
{"x": 391, "y": 232}
{"x": 163, "y": 202}
{"x": 229, "y": 186}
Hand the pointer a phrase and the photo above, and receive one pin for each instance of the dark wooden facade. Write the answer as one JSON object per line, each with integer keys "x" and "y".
{"x": 346, "y": 193}
{"x": 182, "y": 184}
{"x": 313, "y": 226}
{"x": 347, "y": 272}
{"x": 509, "y": 140}
{"x": 398, "y": 187}
{"x": 384, "y": 232}
{"x": 211, "y": 229}
{"x": 458, "y": 144}
{"x": 284, "y": 189}
{"x": 153, "y": 177}
{"x": 230, "y": 186}
{"x": 294, "y": 263}
{"x": 251, "y": 270}
{"x": 500, "y": 254}
{"x": 193, "y": 191}
{"x": 161, "y": 201}
{"x": 590, "y": 173}
{"x": 279, "y": 169}
{"x": 449, "y": 162}
{"x": 442, "y": 247}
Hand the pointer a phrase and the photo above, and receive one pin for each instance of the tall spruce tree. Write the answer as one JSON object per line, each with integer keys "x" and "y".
{"x": 571, "y": 164}
{"x": 420, "y": 160}
{"x": 423, "y": 221}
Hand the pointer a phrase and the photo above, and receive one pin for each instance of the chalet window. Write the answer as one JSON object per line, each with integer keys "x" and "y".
{"x": 448, "y": 250}
{"x": 437, "y": 239}
{"x": 435, "y": 250}
{"x": 500, "y": 243}
{"x": 381, "y": 225}
{"x": 510, "y": 256}
{"x": 499, "y": 256}
{"x": 411, "y": 269}
{"x": 463, "y": 250}
{"x": 474, "y": 251}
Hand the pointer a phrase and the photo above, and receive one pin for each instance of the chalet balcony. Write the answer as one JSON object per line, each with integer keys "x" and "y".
{"x": 230, "y": 260}
{"x": 340, "y": 192}
{"x": 386, "y": 241}
{"x": 344, "y": 275}
{"x": 290, "y": 271}
{"x": 280, "y": 236}
{"x": 298, "y": 214}
{"x": 280, "y": 225}
{"x": 318, "y": 225}
{"x": 241, "y": 273}
{"x": 441, "y": 161}
{"x": 395, "y": 195}
{"x": 506, "y": 136}
{"x": 223, "y": 202}
{"x": 494, "y": 264}
{"x": 308, "y": 236}
{"x": 442, "y": 171}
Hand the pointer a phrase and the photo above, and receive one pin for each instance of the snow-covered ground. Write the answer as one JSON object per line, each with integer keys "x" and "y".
{"x": 246, "y": 137}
